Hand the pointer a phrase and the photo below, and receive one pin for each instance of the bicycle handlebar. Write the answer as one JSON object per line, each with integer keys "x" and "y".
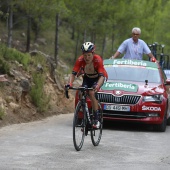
{"x": 76, "y": 88}
{"x": 66, "y": 94}
{"x": 81, "y": 88}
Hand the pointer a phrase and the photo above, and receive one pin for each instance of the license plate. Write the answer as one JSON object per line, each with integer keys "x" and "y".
{"x": 117, "y": 108}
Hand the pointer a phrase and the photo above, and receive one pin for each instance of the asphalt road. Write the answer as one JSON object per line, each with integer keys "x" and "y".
{"x": 47, "y": 145}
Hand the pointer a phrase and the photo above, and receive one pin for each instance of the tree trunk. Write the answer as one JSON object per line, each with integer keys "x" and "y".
{"x": 73, "y": 32}
{"x": 77, "y": 42}
{"x": 28, "y": 34}
{"x": 56, "y": 39}
{"x": 36, "y": 27}
{"x": 103, "y": 46}
{"x": 112, "y": 44}
{"x": 93, "y": 37}
{"x": 10, "y": 27}
{"x": 85, "y": 35}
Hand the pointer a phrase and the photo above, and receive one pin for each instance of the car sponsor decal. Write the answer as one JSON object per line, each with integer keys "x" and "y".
{"x": 130, "y": 62}
{"x": 151, "y": 108}
{"x": 120, "y": 86}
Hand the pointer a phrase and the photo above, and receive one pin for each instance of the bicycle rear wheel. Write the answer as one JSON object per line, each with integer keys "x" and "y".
{"x": 96, "y": 134}
{"x": 78, "y": 127}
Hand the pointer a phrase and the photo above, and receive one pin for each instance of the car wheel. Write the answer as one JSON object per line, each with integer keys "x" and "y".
{"x": 168, "y": 121}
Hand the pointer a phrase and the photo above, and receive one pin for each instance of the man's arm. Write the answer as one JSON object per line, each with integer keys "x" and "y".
{"x": 150, "y": 55}
{"x": 116, "y": 54}
{"x": 121, "y": 49}
{"x": 152, "y": 58}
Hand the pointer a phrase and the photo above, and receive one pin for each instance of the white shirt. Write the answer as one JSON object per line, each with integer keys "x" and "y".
{"x": 134, "y": 50}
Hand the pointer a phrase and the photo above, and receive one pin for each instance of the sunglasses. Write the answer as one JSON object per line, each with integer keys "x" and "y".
{"x": 135, "y": 34}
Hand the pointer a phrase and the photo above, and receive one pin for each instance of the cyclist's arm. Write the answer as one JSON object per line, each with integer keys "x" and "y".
{"x": 100, "y": 81}
{"x": 76, "y": 68}
{"x": 71, "y": 80}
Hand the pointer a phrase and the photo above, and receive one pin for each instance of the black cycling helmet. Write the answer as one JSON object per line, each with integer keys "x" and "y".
{"x": 88, "y": 47}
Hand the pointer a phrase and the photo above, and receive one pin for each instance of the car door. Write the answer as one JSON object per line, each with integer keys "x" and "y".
{"x": 167, "y": 88}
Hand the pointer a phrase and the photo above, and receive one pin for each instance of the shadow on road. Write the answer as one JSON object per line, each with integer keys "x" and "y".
{"x": 127, "y": 126}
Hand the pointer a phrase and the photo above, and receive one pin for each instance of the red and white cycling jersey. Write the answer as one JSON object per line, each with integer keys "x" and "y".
{"x": 97, "y": 62}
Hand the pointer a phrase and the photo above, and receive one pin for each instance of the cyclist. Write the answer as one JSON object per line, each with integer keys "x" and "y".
{"x": 94, "y": 75}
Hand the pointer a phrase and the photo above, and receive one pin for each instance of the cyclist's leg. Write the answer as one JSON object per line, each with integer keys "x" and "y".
{"x": 86, "y": 83}
{"x": 95, "y": 103}
{"x": 97, "y": 133}
{"x": 90, "y": 82}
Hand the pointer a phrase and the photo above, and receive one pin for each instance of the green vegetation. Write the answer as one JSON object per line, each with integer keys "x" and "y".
{"x": 7, "y": 54}
{"x": 39, "y": 98}
{"x": 66, "y": 24}
{"x": 2, "y": 112}
{"x": 4, "y": 66}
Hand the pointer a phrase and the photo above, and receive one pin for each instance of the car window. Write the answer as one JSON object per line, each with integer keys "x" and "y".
{"x": 164, "y": 75}
{"x": 167, "y": 73}
{"x": 139, "y": 74}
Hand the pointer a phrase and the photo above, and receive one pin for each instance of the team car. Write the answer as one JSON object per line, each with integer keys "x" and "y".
{"x": 136, "y": 91}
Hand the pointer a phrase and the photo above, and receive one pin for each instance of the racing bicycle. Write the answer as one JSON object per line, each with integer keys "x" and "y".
{"x": 83, "y": 119}
{"x": 163, "y": 58}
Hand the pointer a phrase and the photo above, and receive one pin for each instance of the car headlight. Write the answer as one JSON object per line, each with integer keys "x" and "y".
{"x": 153, "y": 98}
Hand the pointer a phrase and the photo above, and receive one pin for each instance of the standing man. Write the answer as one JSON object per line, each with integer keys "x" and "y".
{"x": 134, "y": 48}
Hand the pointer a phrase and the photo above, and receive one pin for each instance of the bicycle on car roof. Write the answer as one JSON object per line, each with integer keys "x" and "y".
{"x": 161, "y": 57}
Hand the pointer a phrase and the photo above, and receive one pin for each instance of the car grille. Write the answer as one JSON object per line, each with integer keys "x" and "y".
{"x": 120, "y": 114}
{"x": 124, "y": 99}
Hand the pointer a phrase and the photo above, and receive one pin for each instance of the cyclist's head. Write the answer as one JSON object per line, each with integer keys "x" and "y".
{"x": 88, "y": 47}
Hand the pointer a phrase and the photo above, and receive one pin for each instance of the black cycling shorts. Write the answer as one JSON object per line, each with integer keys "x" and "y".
{"x": 89, "y": 82}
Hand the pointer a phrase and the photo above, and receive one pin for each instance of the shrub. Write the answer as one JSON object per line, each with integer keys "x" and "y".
{"x": 39, "y": 98}
{"x": 2, "y": 112}
{"x": 13, "y": 54}
{"x": 4, "y": 67}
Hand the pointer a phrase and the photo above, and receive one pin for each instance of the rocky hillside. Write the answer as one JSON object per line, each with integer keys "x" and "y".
{"x": 15, "y": 102}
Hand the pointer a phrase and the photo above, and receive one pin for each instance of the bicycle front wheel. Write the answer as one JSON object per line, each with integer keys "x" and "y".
{"x": 78, "y": 127}
{"x": 96, "y": 134}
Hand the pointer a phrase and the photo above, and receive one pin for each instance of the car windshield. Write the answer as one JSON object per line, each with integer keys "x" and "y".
{"x": 132, "y": 73}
